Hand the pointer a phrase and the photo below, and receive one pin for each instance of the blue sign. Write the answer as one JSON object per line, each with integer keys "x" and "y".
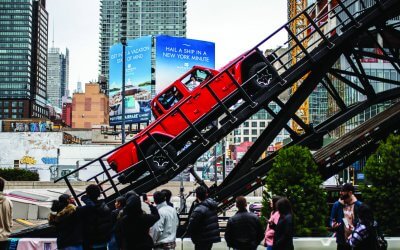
{"x": 137, "y": 81}
{"x": 175, "y": 56}
{"x": 49, "y": 160}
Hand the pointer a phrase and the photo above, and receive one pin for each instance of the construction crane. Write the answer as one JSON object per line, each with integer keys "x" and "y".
{"x": 298, "y": 27}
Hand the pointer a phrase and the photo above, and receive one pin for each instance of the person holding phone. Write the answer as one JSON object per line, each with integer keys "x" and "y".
{"x": 344, "y": 216}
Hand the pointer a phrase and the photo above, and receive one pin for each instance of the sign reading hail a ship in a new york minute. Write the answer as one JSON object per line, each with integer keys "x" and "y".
{"x": 176, "y": 55}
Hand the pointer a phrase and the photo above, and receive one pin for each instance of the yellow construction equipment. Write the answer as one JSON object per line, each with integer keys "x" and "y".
{"x": 298, "y": 27}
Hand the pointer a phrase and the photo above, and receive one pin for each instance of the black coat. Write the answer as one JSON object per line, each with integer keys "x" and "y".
{"x": 203, "y": 223}
{"x": 283, "y": 237}
{"x": 97, "y": 223}
{"x": 244, "y": 231}
{"x": 68, "y": 227}
{"x": 132, "y": 229}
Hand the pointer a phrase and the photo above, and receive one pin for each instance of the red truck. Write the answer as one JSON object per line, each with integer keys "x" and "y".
{"x": 189, "y": 98}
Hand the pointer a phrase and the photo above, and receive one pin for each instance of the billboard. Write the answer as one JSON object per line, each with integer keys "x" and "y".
{"x": 176, "y": 55}
{"x": 137, "y": 81}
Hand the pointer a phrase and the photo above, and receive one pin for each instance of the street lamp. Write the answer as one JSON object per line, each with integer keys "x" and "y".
{"x": 123, "y": 42}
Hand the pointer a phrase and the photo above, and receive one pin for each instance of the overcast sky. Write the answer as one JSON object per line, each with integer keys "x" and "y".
{"x": 234, "y": 26}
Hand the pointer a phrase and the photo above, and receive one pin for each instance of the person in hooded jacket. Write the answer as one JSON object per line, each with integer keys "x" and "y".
{"x": 133, "y": 228}
{"x": 203, "y": 222}
{"x": 96, "y": 220}
{"x": 68, "y": 225}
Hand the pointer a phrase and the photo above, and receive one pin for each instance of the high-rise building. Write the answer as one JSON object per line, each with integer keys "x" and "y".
{"x": 136, "y": 18}
{"x": 65, "y": 73}
{"x": 23, "y": 58}
{"x": 57, "y": 76}
{"x": 78, "y": 87}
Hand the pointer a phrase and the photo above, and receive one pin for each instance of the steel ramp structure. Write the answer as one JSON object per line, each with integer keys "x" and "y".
{"x": 327, "y": 44}
{"x": 336, "y": 35}
{"x": 330, "y": 159}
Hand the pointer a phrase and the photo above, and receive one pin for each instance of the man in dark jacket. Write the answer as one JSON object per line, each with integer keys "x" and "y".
{"x": 96, "y": 219}
{"x": 244, "y": 230}
{"x": 203, "y": 222}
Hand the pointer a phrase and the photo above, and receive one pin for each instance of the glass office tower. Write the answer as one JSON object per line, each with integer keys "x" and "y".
{"x": 136, "y": 18}
{"x": 23, "y": 58}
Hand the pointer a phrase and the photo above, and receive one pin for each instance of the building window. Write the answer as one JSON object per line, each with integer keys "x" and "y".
{"x": 254, "y": 132}
{"x": 88, "y": 104}
{"x": 246, "y": 124}
{"x": 254, "y": 124}
{"x": 245, "y": 131}
{"x": 245, "y": 139}
{"x": 262, "y": 124}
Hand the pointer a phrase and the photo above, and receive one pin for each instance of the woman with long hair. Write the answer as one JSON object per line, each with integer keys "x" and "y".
{"x": 284, "y": 231}
{"x": 273, "y": 220}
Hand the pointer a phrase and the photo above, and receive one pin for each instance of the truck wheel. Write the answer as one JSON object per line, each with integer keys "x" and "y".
{"x": 159, "y": 161}
{"x": 262, "y": 78}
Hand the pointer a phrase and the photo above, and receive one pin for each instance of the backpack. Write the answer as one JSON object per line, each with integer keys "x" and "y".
{"x": 381, "y": 243}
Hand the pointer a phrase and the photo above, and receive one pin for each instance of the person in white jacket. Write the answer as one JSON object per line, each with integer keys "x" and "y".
{"x": 5, "y": 217}
{"x": 164, "y": 231}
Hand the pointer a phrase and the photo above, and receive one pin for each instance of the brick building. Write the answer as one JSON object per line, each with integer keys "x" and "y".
{"x": 89, "y": 108}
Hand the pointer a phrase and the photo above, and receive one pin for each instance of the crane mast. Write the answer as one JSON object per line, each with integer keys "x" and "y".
{"x": 298, "y": 27}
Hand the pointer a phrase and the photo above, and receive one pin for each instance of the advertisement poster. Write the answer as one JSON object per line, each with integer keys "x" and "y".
{"x": 137, "y": 81}
{"x": 175, "y": 56}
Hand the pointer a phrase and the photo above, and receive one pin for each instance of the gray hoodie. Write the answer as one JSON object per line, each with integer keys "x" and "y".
{"x": 5, "y": 217}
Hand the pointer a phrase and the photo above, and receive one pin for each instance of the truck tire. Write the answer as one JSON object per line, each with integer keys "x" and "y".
{"x": 261, "y": 79}
{"x": 159, "y": 161}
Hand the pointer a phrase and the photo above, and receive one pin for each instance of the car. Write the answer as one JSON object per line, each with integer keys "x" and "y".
{"x": 255, "y": 208}
{"x": 180, "y": 105}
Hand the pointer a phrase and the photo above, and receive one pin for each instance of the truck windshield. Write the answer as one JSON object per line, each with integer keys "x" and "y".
{"x": 195, "y": 78}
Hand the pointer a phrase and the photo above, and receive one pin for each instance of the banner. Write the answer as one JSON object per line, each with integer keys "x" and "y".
{"x": 175, "y": 56}
{"x": 137, "y": 81}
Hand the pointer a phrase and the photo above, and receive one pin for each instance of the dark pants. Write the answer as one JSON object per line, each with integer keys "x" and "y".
{"x": 203, "y": 246}
{"x": 343, "y": 247}
{"x": 3, "y": 245}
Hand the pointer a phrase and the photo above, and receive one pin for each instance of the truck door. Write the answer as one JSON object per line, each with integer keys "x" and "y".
{"x": 165, "y": 102}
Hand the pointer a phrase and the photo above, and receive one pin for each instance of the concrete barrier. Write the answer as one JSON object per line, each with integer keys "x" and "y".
{"x": 299, "y": 244}
{"x": 44, "y": 185}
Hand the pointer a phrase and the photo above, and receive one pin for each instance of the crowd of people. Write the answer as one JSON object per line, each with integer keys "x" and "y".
{"x": 136, "y": 223}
